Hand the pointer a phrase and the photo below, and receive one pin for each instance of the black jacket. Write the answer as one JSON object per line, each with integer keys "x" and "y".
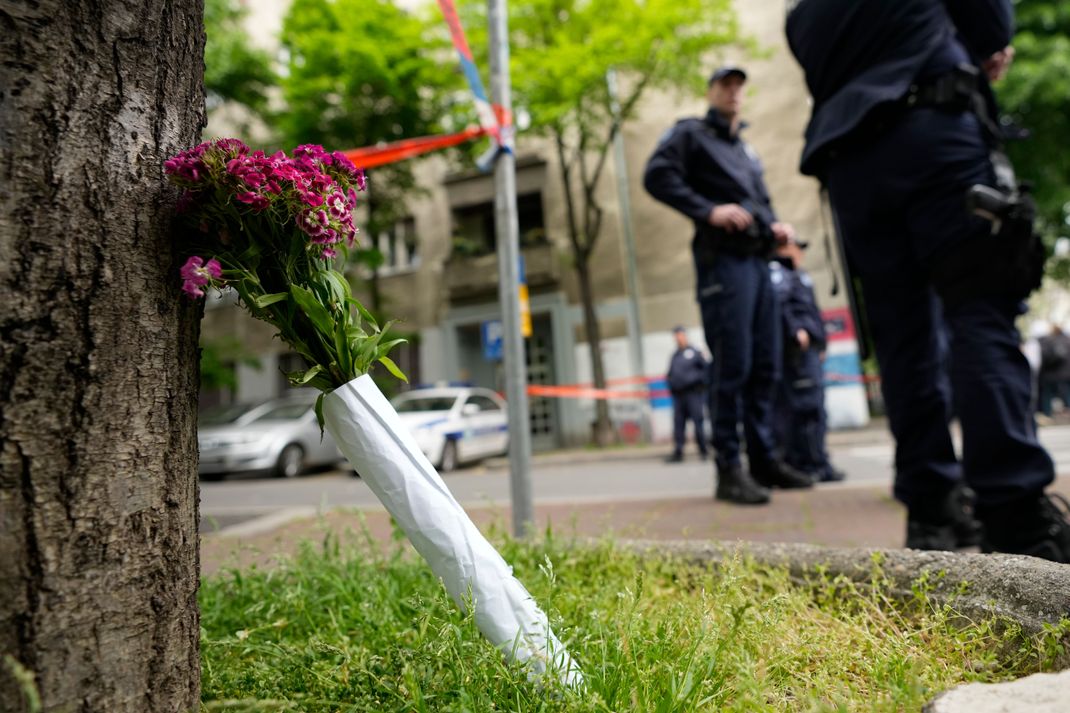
{"x": 798, "y": 305}
{"x": 687, "y": 370}
{"x": 862, "y": 55}
{"x": 699, "y": 164}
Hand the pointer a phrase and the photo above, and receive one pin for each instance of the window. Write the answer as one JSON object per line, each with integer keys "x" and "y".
{"x": 473, "y": 226}
{"x": 484, "y": 403}
{"x": 425, "y": 403}
{"x": 399, "y": 248}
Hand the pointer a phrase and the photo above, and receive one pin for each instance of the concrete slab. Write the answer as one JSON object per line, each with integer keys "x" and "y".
{"x": 1039, "y": 693}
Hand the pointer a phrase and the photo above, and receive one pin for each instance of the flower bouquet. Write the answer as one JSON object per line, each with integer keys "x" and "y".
{"x": 270, "y": 227}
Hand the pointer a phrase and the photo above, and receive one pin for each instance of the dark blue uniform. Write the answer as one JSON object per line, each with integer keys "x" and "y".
{"x": 897, "y": 175}
{"x": 800, "y": 404}
{"x": 688, "y": 371}
{"x": 699, "y": 164}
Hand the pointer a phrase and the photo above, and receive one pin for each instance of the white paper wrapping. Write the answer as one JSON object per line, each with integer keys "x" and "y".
{"x": 384, "y": 453}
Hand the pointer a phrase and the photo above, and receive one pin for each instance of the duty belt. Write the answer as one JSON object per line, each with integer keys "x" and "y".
{"x": 952, "y": 91}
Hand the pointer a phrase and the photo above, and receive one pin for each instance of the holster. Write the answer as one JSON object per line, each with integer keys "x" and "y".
{"x": 1009, "y": 261}
{"x": 709, "y": 242}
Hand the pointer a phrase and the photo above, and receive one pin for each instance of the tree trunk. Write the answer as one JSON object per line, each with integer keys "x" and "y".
{"x": 98, "y": 362}
{"x": 602, "y": 427}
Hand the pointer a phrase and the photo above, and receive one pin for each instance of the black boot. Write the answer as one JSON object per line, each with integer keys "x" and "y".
{"x": 832, "y": 474}
{"x": 676, "y": 457}
{"x": 945, "y": 523}
{"x": 1038, "y": 526}
{"x": 735, "y": 486}
{"x": 778, "y": 474}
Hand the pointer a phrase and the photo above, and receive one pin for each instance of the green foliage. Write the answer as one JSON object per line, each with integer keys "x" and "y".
{"x": 1036, "y": 94}
{"x": 361, "y": 72}
{"x": 234, "y": 70}
{"x": 361, "y": 629}
{"x": 562, "y": 49}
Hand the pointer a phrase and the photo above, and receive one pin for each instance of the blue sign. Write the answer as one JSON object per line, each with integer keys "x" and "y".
{"x": 492, "y": 339}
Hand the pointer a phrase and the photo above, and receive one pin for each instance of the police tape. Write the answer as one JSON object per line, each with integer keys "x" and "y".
{"x": 587, "y": 391}
{"x": 583, "y": 392}
{"x": 494, "y": 120}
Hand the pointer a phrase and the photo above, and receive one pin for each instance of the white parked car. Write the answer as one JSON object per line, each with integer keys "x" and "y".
{"x": 279, "y": 436}
{"x": 455, "y": 425}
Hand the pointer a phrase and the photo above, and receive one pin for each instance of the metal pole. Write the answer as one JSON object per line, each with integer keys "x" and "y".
{"x": 631, "y": 271}
{"x": 507, "y": 231}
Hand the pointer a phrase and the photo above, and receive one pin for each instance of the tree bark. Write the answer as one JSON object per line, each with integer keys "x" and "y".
{"x": 98, "y": 364}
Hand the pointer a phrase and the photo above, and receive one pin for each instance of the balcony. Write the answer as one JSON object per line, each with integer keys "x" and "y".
{"x": 477, "y": 276}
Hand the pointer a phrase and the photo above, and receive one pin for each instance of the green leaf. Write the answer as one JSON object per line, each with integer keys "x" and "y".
{"x": 385, "y": 347}
{"x": 393, "y": 368}
{"x": 299, "y": 378}
{"x": 313, "y": 310}
{"x": 339, "y": 285}
{"x": 264, "y": 300}
{"x": 342, "y": 353}
{"x": 319, "y": 413}
{"x": 365, "y": 314}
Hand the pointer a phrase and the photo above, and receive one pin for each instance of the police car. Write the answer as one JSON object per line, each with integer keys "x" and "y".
{"x": 455, "y": 425}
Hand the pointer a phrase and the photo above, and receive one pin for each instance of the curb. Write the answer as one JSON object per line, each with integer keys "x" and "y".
{"x": 871, "y": 434}
{"x": 1030, "y": 591}
{"x": 266, "y": 523}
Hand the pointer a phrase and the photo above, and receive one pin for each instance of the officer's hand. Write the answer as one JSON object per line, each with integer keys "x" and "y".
{"x": 783, "y": 232}
{"x": 730, "y": 217}
{"x": 803, "y": 338}
{"x": 997, "y": 65}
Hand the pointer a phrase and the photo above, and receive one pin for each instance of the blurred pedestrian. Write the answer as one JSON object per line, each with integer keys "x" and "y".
{"x": 801, "y": 419}
{"x": 704, "y": 169}
{"x": 688, "y": 371}
{"x": 905, "y": 137}
{"x": 1054, "y": 370}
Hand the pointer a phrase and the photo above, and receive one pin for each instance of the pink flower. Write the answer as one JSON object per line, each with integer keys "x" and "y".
{"x": 196, "y": 273}
{"x": 257, "y": 201}
{"x": 362, "y": 180}
{"x": 232, "y": 146}
{"x": 312, "y": 151}
{"x": 312, "y": 199}
{"x": 313, "y": 222}
{"x": 337, "y": 205}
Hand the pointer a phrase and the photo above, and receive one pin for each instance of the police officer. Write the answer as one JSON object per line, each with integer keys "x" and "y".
{"x": 703, "y": 169}
{"x": 800, "y": 409}
{"x": 901, "y": 132}
{"x": 688, "y": 371}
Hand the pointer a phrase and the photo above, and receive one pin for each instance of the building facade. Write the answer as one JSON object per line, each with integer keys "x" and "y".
{"x": 440, "y": 279}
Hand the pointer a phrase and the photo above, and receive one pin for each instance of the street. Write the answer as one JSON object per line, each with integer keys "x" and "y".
{"x": 619, "y": 475}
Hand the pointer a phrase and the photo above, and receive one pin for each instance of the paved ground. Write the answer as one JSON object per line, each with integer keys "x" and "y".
{"x": 624, "y": 492}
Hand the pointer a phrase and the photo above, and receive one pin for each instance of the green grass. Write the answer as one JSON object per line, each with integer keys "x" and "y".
{"x": 357, "y": 629}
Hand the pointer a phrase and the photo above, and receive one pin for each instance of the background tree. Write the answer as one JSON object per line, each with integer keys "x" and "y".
{"x": 1036, "y": 94}
{"x": 363, "y": 72}
{"x": 98, "y": 368}
{"x": 234, "y": 70}
{"x": 561, "y": 51}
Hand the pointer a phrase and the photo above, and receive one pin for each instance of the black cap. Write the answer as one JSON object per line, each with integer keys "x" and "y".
{"x": 729, "y": 69}
{"x": 678, "y": 328}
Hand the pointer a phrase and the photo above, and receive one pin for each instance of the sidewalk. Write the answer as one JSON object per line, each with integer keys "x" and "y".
{"x": 839, "y": 515}
{"x": 874, "y": 432}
